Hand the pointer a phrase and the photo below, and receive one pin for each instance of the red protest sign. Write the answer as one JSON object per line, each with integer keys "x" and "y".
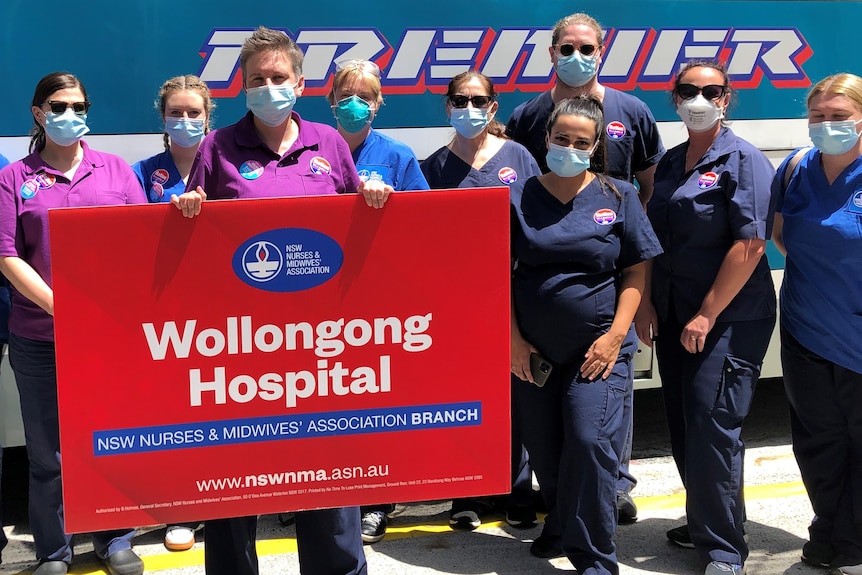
{"x": 282, "y": 354}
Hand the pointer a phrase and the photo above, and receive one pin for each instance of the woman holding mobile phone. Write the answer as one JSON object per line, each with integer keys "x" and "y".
{"x": 580, "y": 241}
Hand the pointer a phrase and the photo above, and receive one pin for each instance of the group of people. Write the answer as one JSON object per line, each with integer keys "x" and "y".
{"x": 612, "y": 239}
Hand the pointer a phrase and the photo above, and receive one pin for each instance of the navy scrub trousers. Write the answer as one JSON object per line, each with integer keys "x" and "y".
{"x": 707, "y": 396}
{"x": 574, "y": 431}
{"x": 826, "y": 426}
{"x": 329, "y": 543}
{"x": 36, "y": 376}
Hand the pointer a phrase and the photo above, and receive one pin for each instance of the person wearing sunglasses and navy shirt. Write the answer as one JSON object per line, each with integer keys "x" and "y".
{"x": 633, "y": 144}
{"x": 480, "y": 155}
{"x": 711, "y": 310}
{"x": 61, "y": 171}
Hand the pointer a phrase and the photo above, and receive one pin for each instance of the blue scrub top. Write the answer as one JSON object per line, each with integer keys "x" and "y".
{"x": 511, "y": 164}
{"x": 697, "y": 216}
{"x": 380, "y": 157}
{"x": 568, "y": 262}
{"x": 821, "y": 297}
{"x": 632, "y": 137}
{"x": 159, "y": 177}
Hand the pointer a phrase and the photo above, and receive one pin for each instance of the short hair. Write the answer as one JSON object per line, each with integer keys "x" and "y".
{"x": 187, "y": 83}
{"x": 577, "y": 18}
{"x": 843, "y": 84}
{"x": 268, "y": 40}
{"x": 49, "y": 84}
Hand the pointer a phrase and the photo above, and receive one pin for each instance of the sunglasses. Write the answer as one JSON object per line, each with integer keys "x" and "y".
{"x": 567, "y": 50}
{"x": 459, "y": 101}
{"x": 356, "y": 64}
{"x": 710, "y": 92}
{"x": 79, "y": 108}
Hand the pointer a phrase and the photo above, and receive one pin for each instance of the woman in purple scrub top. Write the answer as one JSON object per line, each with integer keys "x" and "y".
{"x": 61, "y": 171}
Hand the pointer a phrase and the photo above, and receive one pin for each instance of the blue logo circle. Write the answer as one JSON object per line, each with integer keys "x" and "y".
{"x": 287, "y": 260}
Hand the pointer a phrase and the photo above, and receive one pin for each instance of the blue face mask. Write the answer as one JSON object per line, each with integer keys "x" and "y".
{"x": 834, "y": 138}
{"x": 567, "y": 162}
{"x": 469, "y": 122}
{"x": 271, "y": 104}
{"x": 185, "y": 132}
{"x": 577, "y": 69}
{"x": 67, "y": 128}
{"x": 352, "y": 113}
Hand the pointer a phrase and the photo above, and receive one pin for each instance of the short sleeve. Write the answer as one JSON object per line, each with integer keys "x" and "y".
{"x": 751, "y": 207}
{"x": 639, "y": 242}
{"x": 413, "y": 177}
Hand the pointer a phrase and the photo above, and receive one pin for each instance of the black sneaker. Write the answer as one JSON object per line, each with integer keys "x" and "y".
{"x": 679, "y": 536}
{"x": 546, "y": 547}
{"x": 466, "y": 514}
{"x": 627, "y": 511}
{"x": 374, "y": 526}
{"x": 521, "y": 516}
{"x": 817, "y": 554}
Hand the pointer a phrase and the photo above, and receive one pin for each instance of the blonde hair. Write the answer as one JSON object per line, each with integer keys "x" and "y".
{"x": 844, "y": 84}
{"x": 354, "y": 70}
{"x": 577, "y": 18}
{"x": 268, "y": 40}
{"x": 187, "y": 83}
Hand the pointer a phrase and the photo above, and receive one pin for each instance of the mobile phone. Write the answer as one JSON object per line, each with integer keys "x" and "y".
{"x": 540, "y": 368}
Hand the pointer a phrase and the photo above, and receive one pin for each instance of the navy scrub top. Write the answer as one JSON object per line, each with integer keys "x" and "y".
{"x": 568, "y": 262}
{"x": 697, "y": 216}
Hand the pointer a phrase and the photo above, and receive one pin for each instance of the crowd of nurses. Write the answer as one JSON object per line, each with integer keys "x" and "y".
{"x": 609, "y": 230}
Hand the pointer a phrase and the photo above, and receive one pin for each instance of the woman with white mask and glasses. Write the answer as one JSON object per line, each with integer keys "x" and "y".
{"x": 186, "y": 108}
{"x": 580, "y": 241}
{"x": 61, "y": 171}
{"x": 711, "y": 309}
{"x": 818, "y": 225}
{"x": 356, "y": 98}
{"x": 480, "y": 155}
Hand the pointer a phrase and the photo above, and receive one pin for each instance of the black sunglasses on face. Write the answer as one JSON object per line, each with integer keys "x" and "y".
{"x": 459, "y": 101}
{"x": 567, "y": 50}
{"x": 79, "y": 108}
{"x": 710, "y": 92}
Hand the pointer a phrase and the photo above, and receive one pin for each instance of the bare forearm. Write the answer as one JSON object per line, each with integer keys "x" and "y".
{"x": 737, "y": 267}
{"x": 27, "y": 281}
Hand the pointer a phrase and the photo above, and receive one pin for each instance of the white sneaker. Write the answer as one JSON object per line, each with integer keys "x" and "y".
{"x": 722, "y": 568}
{"x": 848, "y": 570}
{"x": 179, "y": 537}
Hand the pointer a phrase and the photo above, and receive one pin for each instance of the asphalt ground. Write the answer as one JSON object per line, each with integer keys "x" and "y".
{"x": 419, "y": 540}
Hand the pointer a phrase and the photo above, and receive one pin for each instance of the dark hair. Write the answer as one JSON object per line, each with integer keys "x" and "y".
{"x": 589, "y": 107}
{"x": 189, "y": 83}
{"x": 715, "y": 65}
{"x": 48, "y": 85}
{"x": 494, "y": 127}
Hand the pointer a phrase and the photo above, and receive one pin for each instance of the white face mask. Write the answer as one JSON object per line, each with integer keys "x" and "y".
{"x": 699, "y": 114}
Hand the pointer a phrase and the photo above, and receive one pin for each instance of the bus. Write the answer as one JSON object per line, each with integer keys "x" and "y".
{"x": 774, "y": 49}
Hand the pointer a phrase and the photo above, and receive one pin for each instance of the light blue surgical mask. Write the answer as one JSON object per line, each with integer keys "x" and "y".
{"x": 353, "y": 113}
{"x": 567, "y": 162}
{"x": 834, "y": 138}
{"x": 67, "y": 128}
{"x": 272, "y": 103}
{"x": 577, "y": 69}
{"x": 185, "y": 132}
{"x": 469, "y": 122}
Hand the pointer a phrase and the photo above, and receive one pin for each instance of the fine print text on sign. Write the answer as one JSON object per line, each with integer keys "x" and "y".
{"x": 281, "y": 354}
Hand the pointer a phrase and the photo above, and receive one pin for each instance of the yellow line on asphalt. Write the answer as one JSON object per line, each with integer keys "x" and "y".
{"x": 195, "y": 557}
